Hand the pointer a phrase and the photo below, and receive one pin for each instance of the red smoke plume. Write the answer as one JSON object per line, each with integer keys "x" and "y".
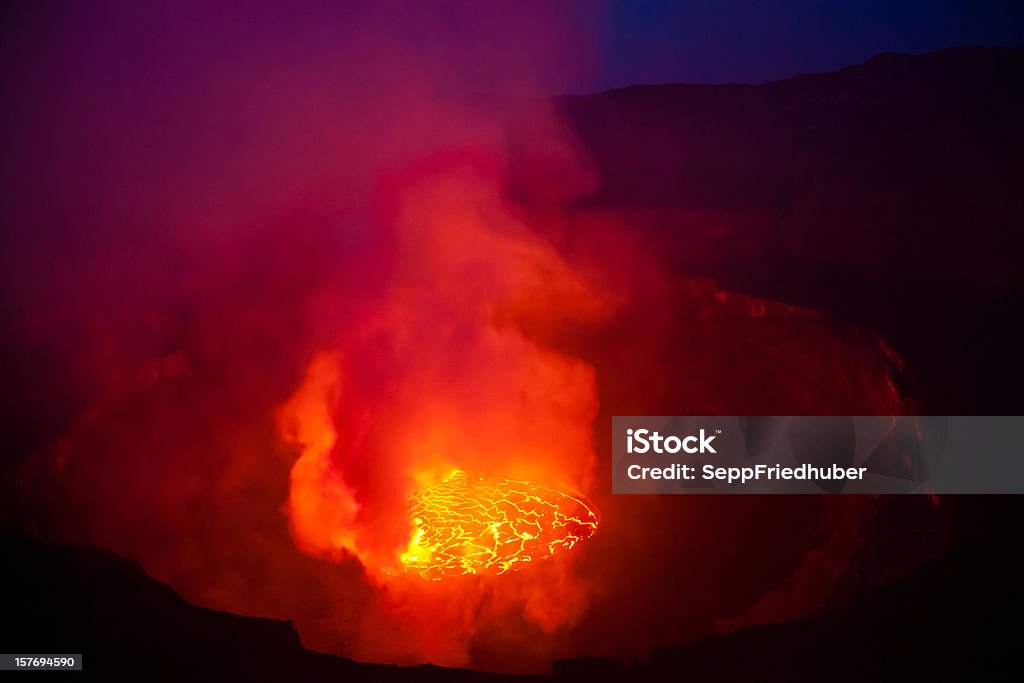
{"x": 287, "y": 292}
{"x": 442, "y": 372}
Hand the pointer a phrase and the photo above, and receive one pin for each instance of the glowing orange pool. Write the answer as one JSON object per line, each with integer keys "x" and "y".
{"x": 475, "y": 524}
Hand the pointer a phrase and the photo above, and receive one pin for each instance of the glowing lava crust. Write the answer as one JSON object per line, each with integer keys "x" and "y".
{"x": 488, "y": 525}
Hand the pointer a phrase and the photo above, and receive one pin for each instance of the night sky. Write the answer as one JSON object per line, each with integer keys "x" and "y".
{"x": 721, "y": 41}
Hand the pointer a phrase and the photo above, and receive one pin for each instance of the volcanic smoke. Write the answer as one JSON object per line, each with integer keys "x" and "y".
{"x": 442, "y": 439}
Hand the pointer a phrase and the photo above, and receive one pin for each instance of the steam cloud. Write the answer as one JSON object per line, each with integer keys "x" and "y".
{"x": 233, "y": 253}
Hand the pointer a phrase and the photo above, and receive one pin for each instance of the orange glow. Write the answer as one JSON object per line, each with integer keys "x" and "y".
{"x": 478, "y": 524}
{"x": 444, "y": 440}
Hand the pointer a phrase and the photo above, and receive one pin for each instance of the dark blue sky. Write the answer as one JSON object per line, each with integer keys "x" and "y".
{"x": 716, "y": 41}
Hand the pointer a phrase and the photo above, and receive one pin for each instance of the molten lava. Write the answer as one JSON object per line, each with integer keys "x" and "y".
{"x": 487, "y": 525}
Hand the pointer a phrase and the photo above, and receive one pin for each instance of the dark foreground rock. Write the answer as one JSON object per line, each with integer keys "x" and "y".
{"x": 950, "y": 618}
